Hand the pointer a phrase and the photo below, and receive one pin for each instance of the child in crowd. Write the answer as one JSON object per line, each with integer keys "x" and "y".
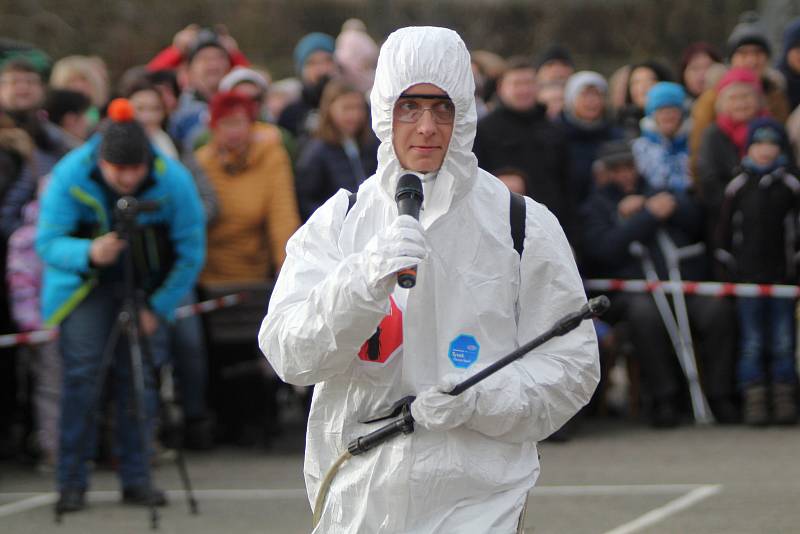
{"x": 662, "y": 151}
{"x": 758, "y": 244}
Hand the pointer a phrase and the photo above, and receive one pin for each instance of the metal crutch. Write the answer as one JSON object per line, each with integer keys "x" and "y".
{"x": 702, "y": 414}
{"x": 673, "y": 255}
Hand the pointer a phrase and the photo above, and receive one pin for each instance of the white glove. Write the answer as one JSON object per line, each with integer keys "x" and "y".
{"x": 399, "y": 246}
{"x": 434, "y": 409}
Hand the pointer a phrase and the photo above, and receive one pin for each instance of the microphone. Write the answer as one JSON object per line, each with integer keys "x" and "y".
{"x": 409, "y": 200}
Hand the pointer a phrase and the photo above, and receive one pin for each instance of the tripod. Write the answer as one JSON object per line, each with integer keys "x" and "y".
{"x": 140, "y": 359}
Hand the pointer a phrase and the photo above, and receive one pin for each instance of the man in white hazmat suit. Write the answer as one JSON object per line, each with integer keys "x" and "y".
{"x": 472, "y": 459}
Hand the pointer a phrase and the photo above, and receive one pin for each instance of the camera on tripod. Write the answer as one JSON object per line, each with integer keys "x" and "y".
{"x": 126, "y": 210}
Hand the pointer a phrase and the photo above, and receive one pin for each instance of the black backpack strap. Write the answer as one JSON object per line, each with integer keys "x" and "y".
{"x": 351, "y": 201}
{"x": 516, "y": 216}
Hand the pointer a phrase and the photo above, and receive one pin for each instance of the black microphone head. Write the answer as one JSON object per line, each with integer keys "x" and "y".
{"x": 408, "y": 186}
{"x": 599, "y": 305}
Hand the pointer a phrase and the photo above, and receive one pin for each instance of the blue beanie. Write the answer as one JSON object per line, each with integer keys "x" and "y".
{"x": 664, "y": 95}
{"x": 767, "y": 130}
{"x": 309, "y": 44}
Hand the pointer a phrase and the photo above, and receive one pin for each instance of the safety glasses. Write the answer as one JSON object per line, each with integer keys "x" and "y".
{"x": 409, "y": 108}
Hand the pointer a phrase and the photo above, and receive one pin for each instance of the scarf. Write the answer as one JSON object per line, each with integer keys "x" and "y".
{"x": 735, "y": 131}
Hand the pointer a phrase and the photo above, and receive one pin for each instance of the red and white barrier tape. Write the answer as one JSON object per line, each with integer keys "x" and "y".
{"x": 42, "y": 336}
{"x": 711, "y": 289}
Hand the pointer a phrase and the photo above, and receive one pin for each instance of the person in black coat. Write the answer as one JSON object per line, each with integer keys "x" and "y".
{"x": 517, "y": 133}
{"x": 621, "y": 211}
{"x": 757, "y": 244}
{"x": 587, "y": 127}
{"x": 342, "y": 153}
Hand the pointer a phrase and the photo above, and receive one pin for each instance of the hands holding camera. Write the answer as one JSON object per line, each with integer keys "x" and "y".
{"x": 105, "y": 251}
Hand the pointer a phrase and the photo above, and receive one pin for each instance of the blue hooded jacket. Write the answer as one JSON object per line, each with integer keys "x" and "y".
{"x": 78, "y": 207}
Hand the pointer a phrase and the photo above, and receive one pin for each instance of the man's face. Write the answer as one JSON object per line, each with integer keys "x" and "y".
{"x": 124, "y": 179}
{"x": 21, "y": 91}
{"x": 76, "y": 124}
{"x": 552, "y": 96}
{"x": 209, "y": 65}
{"x": 317, "y": 65}
{"x": 624, "y": 176}
{"x": 422, "y": 127}
{"x": 517, "y": 89}
{"x": 752, "y": 57}
{"x": 554, "y": 71}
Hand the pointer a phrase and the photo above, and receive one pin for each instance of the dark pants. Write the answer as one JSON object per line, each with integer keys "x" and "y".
{"x": 82, "y": 338}
{"x": 768, "y": 328}
{"x": 186, "y": 351}
{"x": 713, "y": 332}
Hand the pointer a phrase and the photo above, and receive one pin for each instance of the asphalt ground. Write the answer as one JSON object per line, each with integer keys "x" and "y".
{"x": 614, "y": 476}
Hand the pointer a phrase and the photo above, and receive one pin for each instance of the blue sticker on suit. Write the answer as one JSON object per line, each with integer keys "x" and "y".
{"x": 464, "y": 351}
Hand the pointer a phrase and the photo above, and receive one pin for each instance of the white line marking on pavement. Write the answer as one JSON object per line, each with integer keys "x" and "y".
{"x": 630, "y": 489}
{"x": 696, "y": 493}
{"x": 659, "y": 514}
{"x": 27, "y": 504}
{"x": 36, "y": 500}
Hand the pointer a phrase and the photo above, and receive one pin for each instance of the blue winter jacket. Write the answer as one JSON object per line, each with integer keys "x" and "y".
{"x": 78, "y": 206}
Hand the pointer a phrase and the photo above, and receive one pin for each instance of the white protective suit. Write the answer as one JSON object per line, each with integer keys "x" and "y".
{"x": 470, "y": 286}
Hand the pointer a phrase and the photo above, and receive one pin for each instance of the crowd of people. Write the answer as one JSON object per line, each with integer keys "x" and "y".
{"x": 700, "y": 153}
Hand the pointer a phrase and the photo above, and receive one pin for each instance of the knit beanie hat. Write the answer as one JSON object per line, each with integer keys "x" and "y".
{"x": 309, "y": 44}
{"x": 357, "y": 53}
{"x": 613, "y": 153}
{"x": 748, "y": 32}
{"x": 205, "y": 39}
{"x": 766, "y": 130}
{"x": 554, "y": 52}
{"x": 580, "y": 81}
{"x": 739, "y": 75}
{"x": 240, "y": 75}
{"x": 664, "y": 95}
{"x": 124, "y": 141}
{"x": 227, "y": 102}
{"x": 791, "y": 36}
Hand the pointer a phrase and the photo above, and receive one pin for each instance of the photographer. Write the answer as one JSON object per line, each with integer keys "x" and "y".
{"x": 83, "y": 284}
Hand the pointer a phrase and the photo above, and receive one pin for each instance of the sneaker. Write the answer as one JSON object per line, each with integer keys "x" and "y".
{"x": 71, "y": 500}
{"x": 784, "y": 404}
{"x": 756, "y": 410}
{"x": 140, "y": 496}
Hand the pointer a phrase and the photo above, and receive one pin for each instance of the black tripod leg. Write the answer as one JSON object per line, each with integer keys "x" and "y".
{"x": 91, "y": 412}
{"x": 180, "y": 459}
{"x": 140, "y": 409}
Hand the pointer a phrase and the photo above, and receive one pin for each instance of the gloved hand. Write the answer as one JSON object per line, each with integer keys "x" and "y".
{"x": 434, "y": 409}
{"x": 398, "y": 246}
